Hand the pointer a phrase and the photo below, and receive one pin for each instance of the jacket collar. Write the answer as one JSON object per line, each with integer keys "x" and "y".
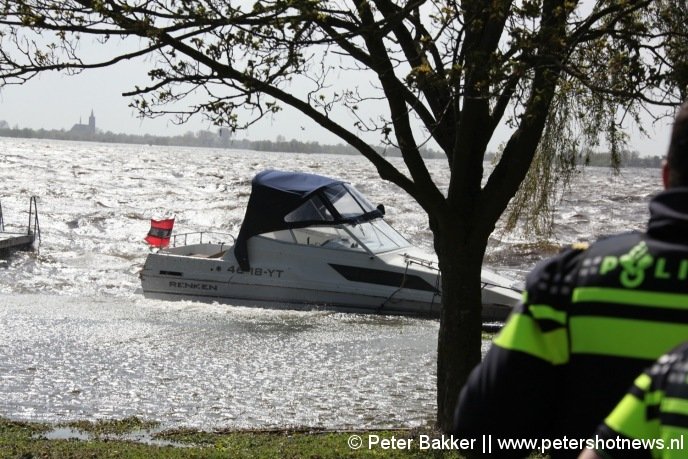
{"x": 669, "y": 215}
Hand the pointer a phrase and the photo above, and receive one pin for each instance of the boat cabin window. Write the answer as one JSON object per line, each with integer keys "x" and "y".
{"x": 347, "y": 201}
{"x": 312, "y": 210}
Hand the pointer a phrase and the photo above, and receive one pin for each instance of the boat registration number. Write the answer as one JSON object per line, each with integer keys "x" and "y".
{"x": 257, "y": 271}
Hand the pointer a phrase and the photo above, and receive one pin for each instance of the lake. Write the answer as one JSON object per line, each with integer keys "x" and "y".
{"x": 79, "y": 342}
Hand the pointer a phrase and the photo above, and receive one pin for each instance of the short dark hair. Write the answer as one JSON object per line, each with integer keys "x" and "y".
{"x": 677, "y": 156}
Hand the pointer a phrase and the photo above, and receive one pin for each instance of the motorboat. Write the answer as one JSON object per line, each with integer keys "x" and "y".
{"x": 310, "y": 241}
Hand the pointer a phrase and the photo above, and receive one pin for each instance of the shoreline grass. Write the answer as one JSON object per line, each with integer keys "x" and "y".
{"x": 138, "y": 439}
{"x": 135, "y": 438}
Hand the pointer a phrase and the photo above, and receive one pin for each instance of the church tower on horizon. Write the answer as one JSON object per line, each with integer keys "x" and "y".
{"x": 85, "y": 129}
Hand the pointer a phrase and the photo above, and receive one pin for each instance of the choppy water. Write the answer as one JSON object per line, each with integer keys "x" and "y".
{"x": 78, "y": 342}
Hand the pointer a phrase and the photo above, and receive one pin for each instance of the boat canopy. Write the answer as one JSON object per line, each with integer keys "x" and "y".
{"x": 283, "y": 200}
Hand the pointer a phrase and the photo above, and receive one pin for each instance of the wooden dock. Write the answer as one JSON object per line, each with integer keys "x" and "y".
{"x": 13, "y": 240}
{"x": 16, "y": 241}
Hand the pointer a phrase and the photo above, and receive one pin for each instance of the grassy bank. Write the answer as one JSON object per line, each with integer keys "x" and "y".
{"x": 133, "y": 438}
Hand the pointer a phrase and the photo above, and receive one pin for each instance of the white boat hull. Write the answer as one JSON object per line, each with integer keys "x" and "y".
{"x": 283, "y": 275}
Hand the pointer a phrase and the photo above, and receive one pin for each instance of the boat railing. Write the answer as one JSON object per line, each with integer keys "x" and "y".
{"x": 34, "y": 227}
{"x": 21, "y": 239}
{"x": 201, "y": 237}
{"x": 410, "y": 260}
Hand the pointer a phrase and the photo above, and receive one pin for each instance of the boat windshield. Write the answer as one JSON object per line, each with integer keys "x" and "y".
{"x": 374, "y": 236}
{"x": 378, "y": 236}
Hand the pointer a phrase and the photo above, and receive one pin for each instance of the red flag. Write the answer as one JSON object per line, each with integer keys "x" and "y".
{"x": 160, "y": 232}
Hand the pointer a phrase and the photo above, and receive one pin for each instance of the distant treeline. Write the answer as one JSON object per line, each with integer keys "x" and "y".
{"x": 628, "y": 159}
{"x": 604, "y": 159}
{"x": 206, "y": 139}
{"x": 223, "y": 139}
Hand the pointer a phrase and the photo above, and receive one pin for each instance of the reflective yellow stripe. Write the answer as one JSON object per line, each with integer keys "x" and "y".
{"x": 628, "y": 418}
{"x": 543, "y": 311}
{"x": 630, "y": 415}
{"x": 521, "y": 333}
{"x": 630, "y": 297}
{"x": 674, "y": 405}
{"x": 624, "y": 337}
{"x": 643, "y": 382}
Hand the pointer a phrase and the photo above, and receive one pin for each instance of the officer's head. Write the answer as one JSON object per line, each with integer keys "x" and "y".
{"x": 675, "y": 172}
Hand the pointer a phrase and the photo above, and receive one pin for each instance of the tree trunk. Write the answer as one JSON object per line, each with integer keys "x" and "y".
{"x": 459, "y": 340}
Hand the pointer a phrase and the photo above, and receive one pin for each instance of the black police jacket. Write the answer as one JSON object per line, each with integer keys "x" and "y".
{"x": 592, "y": 319}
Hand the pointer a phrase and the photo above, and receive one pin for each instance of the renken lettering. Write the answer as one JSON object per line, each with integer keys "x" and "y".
{"x": 193, "y": 285}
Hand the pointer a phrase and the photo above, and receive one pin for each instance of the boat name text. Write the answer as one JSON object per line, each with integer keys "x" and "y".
{"x": 193, "y": 285}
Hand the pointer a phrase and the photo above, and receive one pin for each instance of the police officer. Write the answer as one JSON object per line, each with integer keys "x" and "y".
{"x": 591, "y": 320}
{"x": 652, "y": 418}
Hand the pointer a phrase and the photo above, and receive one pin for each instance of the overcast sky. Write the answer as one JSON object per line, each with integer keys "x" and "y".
{"x": 57, "y": 101}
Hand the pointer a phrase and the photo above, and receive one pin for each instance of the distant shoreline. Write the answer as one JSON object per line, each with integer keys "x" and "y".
{"x": 222, "y": 139}
{"x": 203, "y": 139}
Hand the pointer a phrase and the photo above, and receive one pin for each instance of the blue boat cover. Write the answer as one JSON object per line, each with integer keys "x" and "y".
{"x": 292, "y": 182}
{"x": 274, "y": 195}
